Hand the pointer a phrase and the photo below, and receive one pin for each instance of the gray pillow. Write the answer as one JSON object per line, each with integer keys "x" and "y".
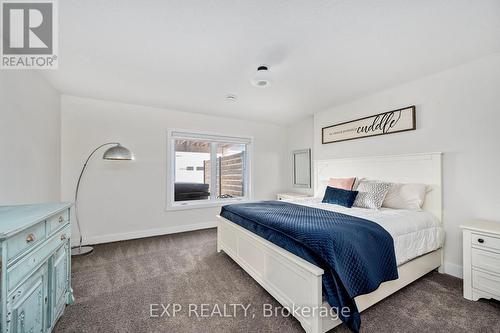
{"x": 371, "y": 194}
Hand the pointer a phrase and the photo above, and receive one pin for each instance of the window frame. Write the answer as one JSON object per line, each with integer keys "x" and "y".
{"x": 213, "y": 201}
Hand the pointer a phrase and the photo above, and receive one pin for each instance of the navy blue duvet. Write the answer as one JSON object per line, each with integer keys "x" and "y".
{"x": 357, "y": 255}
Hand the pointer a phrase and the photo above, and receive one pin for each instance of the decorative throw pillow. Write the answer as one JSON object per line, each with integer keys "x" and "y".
{"x": 405, "y": 196}
{"x": 371, "y": 194}
{"x": 342, "y": 183}
{"x": 338, "y": 196}
{"x": 357, "y": 182}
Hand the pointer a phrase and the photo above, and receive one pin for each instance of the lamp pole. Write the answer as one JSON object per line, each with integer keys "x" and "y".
{"x": 79, "y": 250}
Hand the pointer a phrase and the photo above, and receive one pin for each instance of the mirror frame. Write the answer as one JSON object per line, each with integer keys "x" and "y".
{"x": 301, "y": 152}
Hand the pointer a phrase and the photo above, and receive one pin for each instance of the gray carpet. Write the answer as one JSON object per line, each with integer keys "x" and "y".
{"x": 115, "y": 285}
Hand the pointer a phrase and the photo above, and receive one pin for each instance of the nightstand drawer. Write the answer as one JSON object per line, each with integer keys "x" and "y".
{"x": 290, "y": 196}
{"x": 487, "y": 260}
{"x": 486, "y": 241}
{"x": 486, "y": 282}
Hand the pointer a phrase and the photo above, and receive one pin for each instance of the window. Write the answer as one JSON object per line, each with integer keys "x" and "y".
{"x": 207, "y": 170}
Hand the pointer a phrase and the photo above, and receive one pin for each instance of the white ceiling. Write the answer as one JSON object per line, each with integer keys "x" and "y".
{"x": 188, "y": 55}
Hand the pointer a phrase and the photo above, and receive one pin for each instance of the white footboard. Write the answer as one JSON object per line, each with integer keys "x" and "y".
{"x": 291, "y": 280}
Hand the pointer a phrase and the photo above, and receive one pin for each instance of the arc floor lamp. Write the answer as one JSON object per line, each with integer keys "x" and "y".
{"x": 115, "y": 153}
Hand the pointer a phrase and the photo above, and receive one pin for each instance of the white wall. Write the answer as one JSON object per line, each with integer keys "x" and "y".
{"x": 120, "y": 200}
{"x": 29, "y": 139}
{"x": 458, "y": 113}
{"x": 299, "y": 136}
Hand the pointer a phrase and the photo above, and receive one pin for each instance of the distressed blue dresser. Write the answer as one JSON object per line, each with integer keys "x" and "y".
{"x": 35, "y": 266}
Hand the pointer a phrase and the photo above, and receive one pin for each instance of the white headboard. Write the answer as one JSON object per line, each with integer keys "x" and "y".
{"x": 422, "y": 168}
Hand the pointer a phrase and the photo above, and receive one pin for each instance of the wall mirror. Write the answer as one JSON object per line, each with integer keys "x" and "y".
{"x": 302, "y": 168}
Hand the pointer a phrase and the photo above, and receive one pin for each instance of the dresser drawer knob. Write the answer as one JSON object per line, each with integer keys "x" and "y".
{"x": 480, "y": 240}
{"x": 63, "y": 236}
{"x": 61, "y": 219}
{"x": 30, "y": 238}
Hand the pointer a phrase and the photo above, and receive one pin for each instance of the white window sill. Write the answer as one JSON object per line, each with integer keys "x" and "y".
{"x": 198, "y": 205}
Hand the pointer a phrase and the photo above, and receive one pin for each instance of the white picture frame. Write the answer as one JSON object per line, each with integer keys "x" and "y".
{"x": 302, "y": 168}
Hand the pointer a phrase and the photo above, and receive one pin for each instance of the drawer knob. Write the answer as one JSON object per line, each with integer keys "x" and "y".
{"x": 63, "y": 236}
{"x": 30, "y": 238}
{"x": 61, "y": 219}
{"x": 480, "y": 240}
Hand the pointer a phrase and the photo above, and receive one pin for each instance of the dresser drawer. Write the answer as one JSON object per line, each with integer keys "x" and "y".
{"x": 25, "y": 240}
{"x": 486, "y": 282}
{"x": 486, "y": 241}
{"x": 57, "y": 221}
{"x": 22, "y": 268}
{"x": 487, "y": 260}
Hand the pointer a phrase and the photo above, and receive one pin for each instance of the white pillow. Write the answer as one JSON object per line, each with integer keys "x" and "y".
{"x": 320, "y": 191}
{"x": 357, "y": 182}
{"x": 405, "y": 196}
{"x": 371, "y": 194}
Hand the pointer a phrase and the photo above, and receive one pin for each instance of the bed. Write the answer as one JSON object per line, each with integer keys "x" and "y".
{"x": 295, "y": 282}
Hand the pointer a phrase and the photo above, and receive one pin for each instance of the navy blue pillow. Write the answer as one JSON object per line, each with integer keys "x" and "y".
{"x": 339, "y": 196}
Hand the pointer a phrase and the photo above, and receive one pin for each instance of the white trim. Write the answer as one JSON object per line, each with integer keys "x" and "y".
{"x": 453, "y": 270}
{"x": 187, "y": 134}
{"x": 147, "y": 233}
{"x": 172, "y": 134}
{"x": 213, "y": 175}
{"x": 184, "y": 205}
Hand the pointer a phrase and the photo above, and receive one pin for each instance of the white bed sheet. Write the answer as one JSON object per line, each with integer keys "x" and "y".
{"x": 415, "y": 233}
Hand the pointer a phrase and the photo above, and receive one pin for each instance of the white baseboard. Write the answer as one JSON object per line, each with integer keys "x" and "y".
{"x": 453, "y": 270}
{"x": 146, "y": 233}
{"x": 449, "y": 268}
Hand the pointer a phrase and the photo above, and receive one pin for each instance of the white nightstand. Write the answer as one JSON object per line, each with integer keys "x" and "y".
{"x": 481, "y": 260}
{"x": 290, "y": 195}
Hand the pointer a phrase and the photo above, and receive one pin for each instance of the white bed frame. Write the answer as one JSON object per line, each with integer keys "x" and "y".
{"x": 294, "y": 282}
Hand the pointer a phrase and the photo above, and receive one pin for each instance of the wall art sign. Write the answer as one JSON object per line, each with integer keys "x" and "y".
{"x": 395, "y": 121}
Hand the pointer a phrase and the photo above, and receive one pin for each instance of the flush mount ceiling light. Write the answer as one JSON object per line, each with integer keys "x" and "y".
{"x": 262, "y": 77}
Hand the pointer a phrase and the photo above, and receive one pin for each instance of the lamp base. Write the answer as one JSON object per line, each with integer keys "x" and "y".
{"x": 81, "y": 250}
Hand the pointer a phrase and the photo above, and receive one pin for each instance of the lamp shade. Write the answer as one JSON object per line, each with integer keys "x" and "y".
{"x": 119, "y": 153}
